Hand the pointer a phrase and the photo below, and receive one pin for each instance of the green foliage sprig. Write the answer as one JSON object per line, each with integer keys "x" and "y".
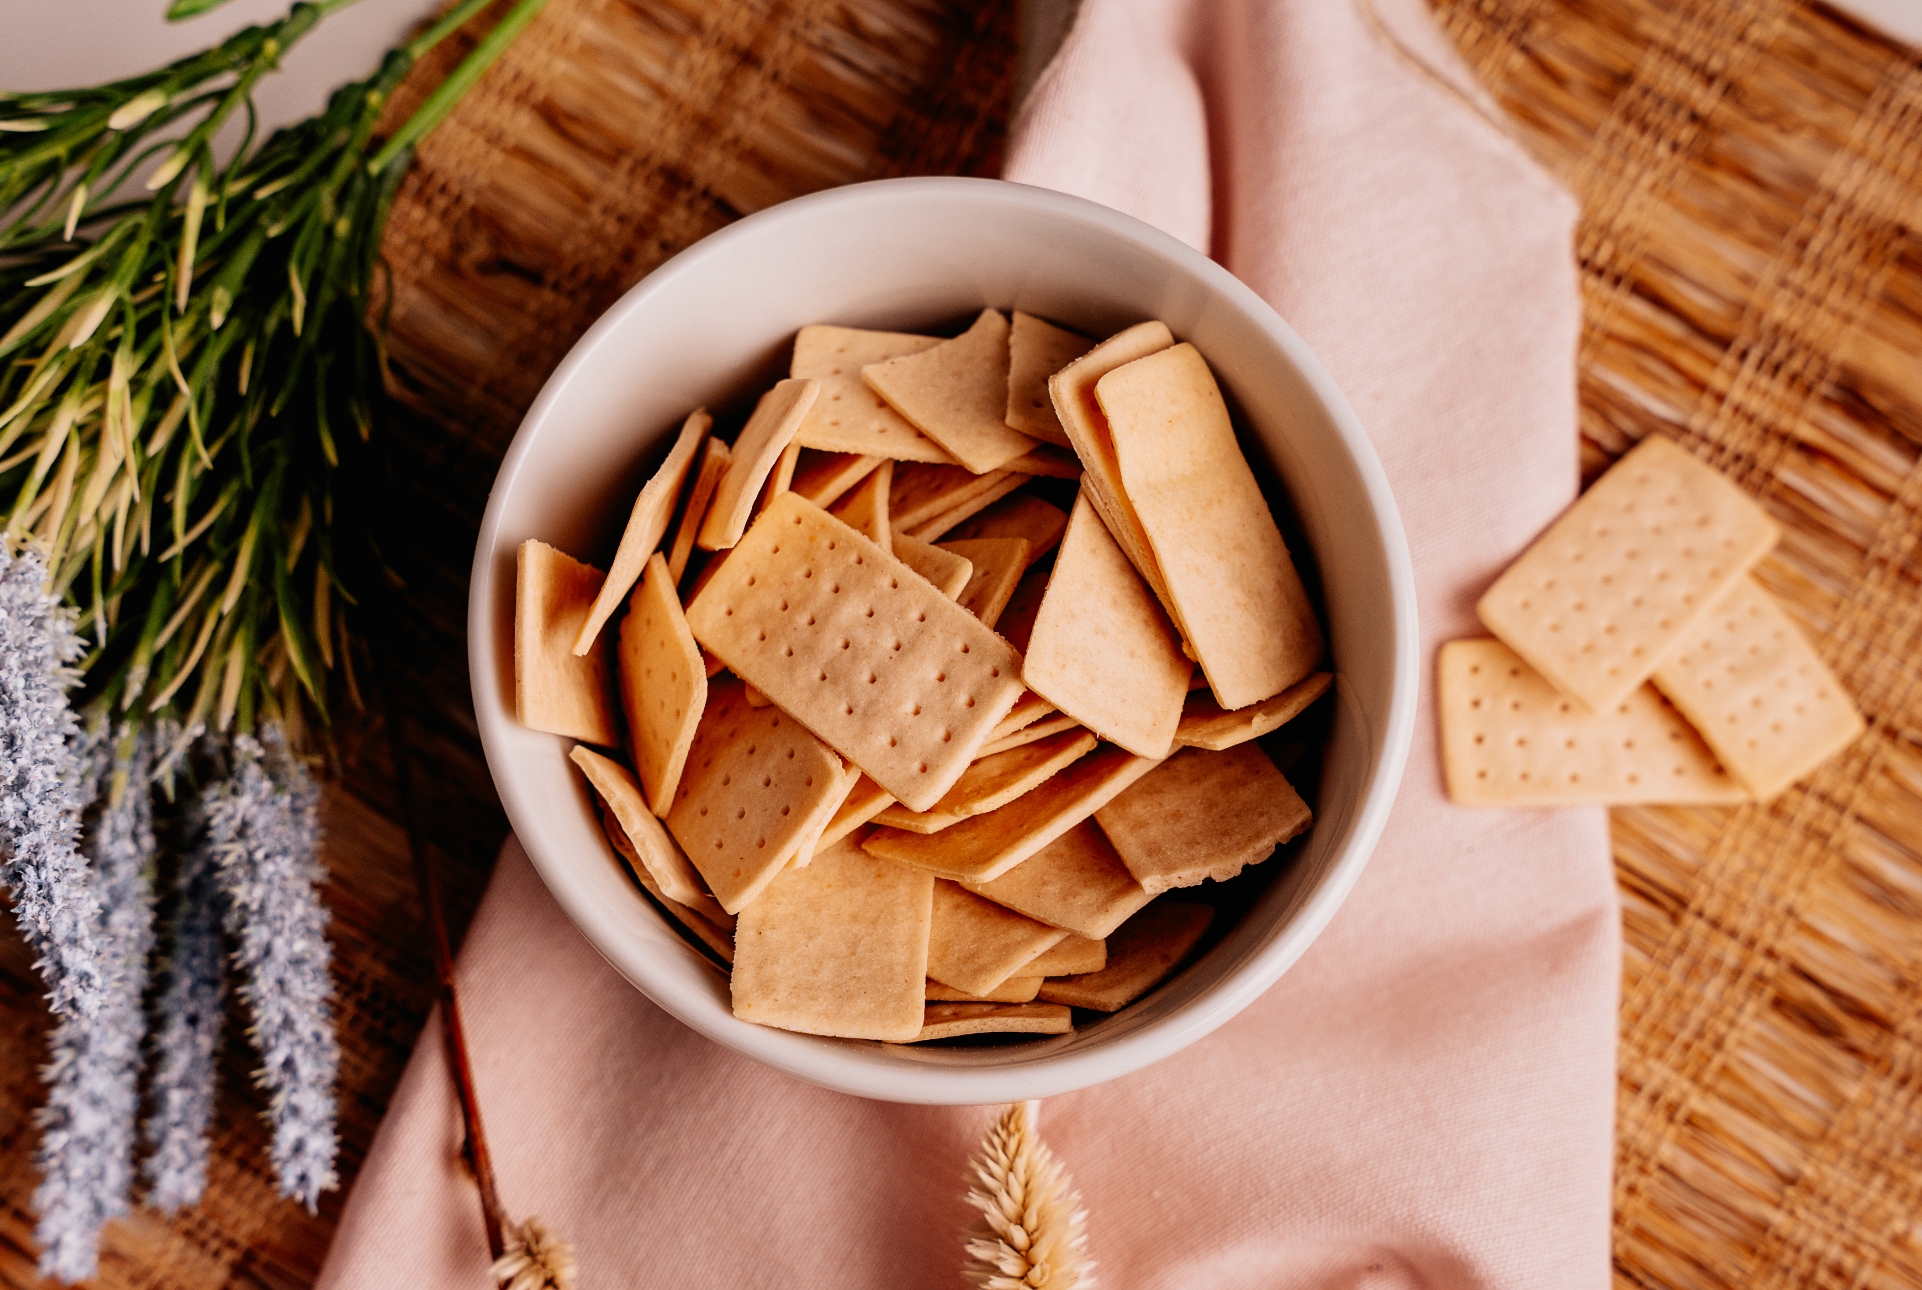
{"x": 182, "y": 374}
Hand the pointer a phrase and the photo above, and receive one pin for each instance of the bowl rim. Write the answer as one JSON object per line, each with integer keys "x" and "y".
{"x": 828, "y": 1063}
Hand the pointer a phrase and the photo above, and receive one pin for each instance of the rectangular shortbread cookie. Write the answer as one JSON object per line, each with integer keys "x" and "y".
{"x": 1072, "y": 390}
{"x": 848, "y": 416}
{"x": 864, "y": 507}
{"x": 1036, "y": 351}
{"x": 1102, "y": 650}
{"x": 1202, "y": 815}
{"x": 1206, "y": 724}
{"x": 992, "y": 782}
{"x": 757, "y": 450}
{"x": 1027, "y": 710}
{"x": 1016, "y": 623}
{"x": 1141, "y": 954}
{"x": 901, "y": 680}
{"x": 554, "y": 689}
{"x": 997, "y": 566}
{"x": 1043, "y": 728}
{"x": 838, "y": 948}
{"x": 1231, "y": 587}
{"x": 1073, "y": 955}
{"x": 946, "y": 1020}
{"x": 950, "y": 572}
{"x": 1024, "y": 516}
{"x": 1001, "y": 483}
{"x": 757, "y": 787}
{"x": 975, "y": 944}
{"x": 1762, "y": 698}
{"x": 956, "y": 393}
{"x": 714, "y": 458}
{"x": 922, "y": 492}
{"x": 1509, "y": 739}
{"x": 663, "y": 684}
{"x": 1077, "y": 882}
{"x": 1016, "y": 989}
{"x": 822, "y": 477}
{"x": 780, "y": 477}
{"x": 1612, "y": 588}
{"x": 864, "y": 801}
{"x": 646, "y": 526}
{"x": 718, "y": 937}
{"x": 986, "y": 846}
{"x": 652, "y": 845}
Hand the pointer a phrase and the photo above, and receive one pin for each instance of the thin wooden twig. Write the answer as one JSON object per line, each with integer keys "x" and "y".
{"x": 474, "y": 1140}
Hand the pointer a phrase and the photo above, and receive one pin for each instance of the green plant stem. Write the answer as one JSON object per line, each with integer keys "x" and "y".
{"x": 450, "y": 91}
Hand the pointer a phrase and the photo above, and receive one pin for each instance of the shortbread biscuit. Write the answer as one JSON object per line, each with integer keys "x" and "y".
{"x": 756, "y": 788}
{"x": 715, "y": 937}
{"x": 1036, "y": 351}
{"x": 838, "y": 948}
{"x": 1102, "y": 650}
{"x": 1072, "y": 955}
{"x": 1072, "y": 391}
{"x": 1077, "y": 882}
{"x": 651, "y": 844}
{"x": 1021, "y": 515}
{"x": 901, "y": 680}
{"x": 646, "y": 526}
{"x": 975, "y": 944}
{"x": 1142, "y": 953}
{"x": 984, "y": 847}
{"x": 1231, "y": 586}
{"x": 822, "y": 477}
{"x": 864, "y": 801}
{"x": 1202, "y": 815}
{"x": 998, "y": 564}
{"x": 663, "y": 684}
{"x": 1001, "y": 483}
{"x": 992, "y": 782}
{"x": 946, "y": 570}
{"x": 555, "y": 689}
{"x": 1758, "y": 693}
{"x": 714, "y": 458}
{"x": 956, "y": 394}
{"x": 848, "y": 416}
{"x": 946, "y": 1020}
{"x": 1206, "y": 724}
{"x": 864, "y": 508}
{"x": 1510, "y": 739}
{"x": 1613, "y": 587}
{"x": 757, "y": 450}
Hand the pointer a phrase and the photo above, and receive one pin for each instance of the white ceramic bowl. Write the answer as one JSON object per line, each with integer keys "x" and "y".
{"x": 712, "y": 326}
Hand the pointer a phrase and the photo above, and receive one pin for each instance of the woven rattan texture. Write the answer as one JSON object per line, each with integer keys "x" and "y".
{"x": 613, "y": 134}
{"x": 1750, "y": 173}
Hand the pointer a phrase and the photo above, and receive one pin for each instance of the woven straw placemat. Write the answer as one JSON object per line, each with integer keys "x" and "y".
{"x": 1750, "y": 173}
{"x": 614, "y": 133}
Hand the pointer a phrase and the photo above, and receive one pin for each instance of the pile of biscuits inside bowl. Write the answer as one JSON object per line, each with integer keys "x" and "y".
{"x": 956, "y": 699}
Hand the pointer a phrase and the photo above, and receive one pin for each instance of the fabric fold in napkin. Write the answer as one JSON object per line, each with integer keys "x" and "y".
{"x": 1426, "y": 1099}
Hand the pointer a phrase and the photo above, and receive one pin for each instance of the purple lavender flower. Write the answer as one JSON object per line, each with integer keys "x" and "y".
{"x": 88, "y": 1124}
{"x": 40, "y": 862}
{"x": 270, "y": 880}
{"x": 189, "y": 1018}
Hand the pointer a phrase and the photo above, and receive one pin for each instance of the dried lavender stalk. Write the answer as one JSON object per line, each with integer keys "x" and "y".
{"x": 275, "y": 917}
{"x": 188, "y": 1031}
{"x": 40, "y": 773}
{"x": 93, "y": 1100}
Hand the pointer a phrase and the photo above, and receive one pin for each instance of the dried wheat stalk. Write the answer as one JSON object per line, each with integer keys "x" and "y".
{"x": 1032, "y": 1229}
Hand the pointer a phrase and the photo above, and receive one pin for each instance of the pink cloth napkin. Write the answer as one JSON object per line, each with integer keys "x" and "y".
{"x": 1427, "y": 1098}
